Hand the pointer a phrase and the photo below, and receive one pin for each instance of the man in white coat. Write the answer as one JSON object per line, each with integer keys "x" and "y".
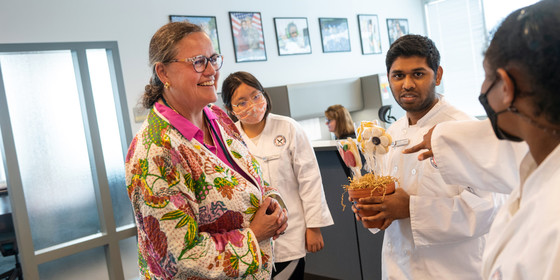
{"x": 433, "y": 230}
{"x": 521, "y": 97}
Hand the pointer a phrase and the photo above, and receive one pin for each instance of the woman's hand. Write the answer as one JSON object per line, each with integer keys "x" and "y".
{"x": 313, "y": 240}
{"x": 269, "y": 221}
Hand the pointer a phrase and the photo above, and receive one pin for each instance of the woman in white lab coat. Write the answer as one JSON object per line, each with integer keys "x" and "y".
{"x": 288, "y": 162}
{"x": 521, "y": 96}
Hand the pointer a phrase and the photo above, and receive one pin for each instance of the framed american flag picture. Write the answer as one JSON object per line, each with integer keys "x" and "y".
{"x": 248, "y": 38}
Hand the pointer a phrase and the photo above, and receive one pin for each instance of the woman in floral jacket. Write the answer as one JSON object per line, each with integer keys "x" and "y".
{"x": 202, "y": 209}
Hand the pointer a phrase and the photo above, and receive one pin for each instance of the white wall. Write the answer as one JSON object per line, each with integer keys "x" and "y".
{"x": 132, "y": 23}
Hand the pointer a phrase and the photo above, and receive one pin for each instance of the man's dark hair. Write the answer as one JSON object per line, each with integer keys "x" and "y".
{"x": 413, "y": 45}
{"x": 529, "y": 39}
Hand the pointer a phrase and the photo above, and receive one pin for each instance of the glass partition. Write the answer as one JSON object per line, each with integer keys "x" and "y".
{"x": 65, "y": 125}
{"x": 104, "y": 100}
{"x": 51, "y": 147}
{"x": 89, "y": 264}
{"x": 129, "y": 253}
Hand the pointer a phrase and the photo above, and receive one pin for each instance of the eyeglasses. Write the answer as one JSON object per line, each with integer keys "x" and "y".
{"x": 253, "y": 100}
{"x": 200, "y": 62}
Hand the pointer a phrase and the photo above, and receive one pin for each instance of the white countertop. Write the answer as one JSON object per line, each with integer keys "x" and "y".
{"x": 324, "y": 145}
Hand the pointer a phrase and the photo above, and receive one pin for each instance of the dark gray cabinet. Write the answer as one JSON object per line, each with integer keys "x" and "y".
{"x": 351, "y": 251}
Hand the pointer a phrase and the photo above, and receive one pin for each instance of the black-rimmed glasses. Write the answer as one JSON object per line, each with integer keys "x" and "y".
{"x": 200, "y": 62}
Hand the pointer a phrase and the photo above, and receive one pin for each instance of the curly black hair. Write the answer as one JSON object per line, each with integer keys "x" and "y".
{"x": 529, "y": 39}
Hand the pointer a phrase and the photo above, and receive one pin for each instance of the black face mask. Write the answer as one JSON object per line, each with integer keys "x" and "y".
{"x": 493, "y": 116}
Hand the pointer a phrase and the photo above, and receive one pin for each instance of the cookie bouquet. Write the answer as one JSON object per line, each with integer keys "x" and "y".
{"x": 373, "y": 142}
{"x": 349, "y": 153}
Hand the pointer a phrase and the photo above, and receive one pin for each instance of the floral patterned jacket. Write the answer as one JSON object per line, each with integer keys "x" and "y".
{"x": 192, "y": 210}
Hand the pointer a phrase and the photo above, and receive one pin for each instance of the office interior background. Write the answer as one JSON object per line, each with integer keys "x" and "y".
{"x": 72, "y": 74}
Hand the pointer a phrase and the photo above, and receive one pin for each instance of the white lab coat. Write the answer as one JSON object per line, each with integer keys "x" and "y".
{"x": 289, "y": 164}
{"x": 445, "y": 235}
{"x": 468, "y": 153}
{"x": 524, "y": 241}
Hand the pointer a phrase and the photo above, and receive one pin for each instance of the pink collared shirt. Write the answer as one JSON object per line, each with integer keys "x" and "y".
{"x": 190, "y": 131}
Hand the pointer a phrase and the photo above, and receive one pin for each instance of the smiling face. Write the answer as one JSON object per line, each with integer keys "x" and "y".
{"x": 188, "y": 89}
{"x": 413, "y": 85}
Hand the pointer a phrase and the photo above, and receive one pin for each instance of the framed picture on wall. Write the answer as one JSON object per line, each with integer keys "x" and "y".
{"x": 335, "y": 36}
{"x": 396, "y": 27}
{"x": 208, "y": 23}
{"x": 292, "y": 36}
{"x": 369, "y": 34}
{"x": 248, "y": 38}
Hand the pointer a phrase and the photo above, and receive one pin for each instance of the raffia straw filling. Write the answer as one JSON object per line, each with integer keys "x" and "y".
{"x": 367, "y": 181}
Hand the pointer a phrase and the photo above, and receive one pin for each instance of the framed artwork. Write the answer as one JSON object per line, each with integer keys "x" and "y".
{"x": 335, "y": 36}
{"x": 292, "y": 36}
{"x": 208, "y": 23}
{"x": 369, "y": 34}
{"x": 396, "y": 27}
{"x": 248, "y": 38}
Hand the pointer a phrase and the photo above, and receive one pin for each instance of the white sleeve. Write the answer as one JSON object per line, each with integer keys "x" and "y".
{"x": 306, "y": 171}
{"x": 441, "y": 213}
{"x": 468, "y": 153}
{"x": 447, "y": 220}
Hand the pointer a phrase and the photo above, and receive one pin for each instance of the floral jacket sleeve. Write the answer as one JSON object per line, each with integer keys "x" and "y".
{"x": 192, "y": 210}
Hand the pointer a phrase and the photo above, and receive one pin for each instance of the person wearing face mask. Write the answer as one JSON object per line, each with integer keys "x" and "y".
{"x": 202, "y": 208}
{"x": 520, "y": 94}
{"x": 288, "y": 162}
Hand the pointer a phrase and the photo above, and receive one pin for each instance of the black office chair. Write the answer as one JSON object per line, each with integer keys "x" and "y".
{"x": 8, "y": 246}
{"x": 384, "y": 114}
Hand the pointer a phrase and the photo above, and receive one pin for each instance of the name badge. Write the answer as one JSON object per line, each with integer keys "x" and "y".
{"x": 400, "y": 142}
